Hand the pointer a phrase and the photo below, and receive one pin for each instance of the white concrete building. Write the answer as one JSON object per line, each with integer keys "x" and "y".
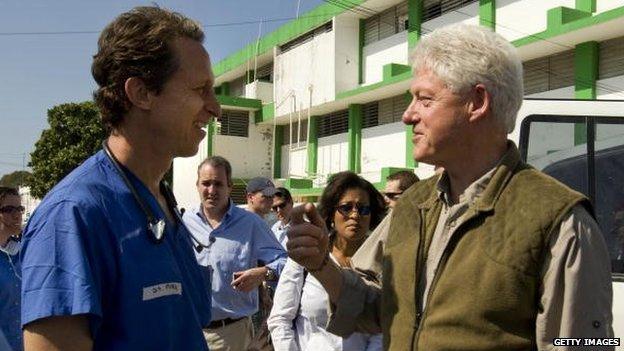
{"x": 325, "y": 93}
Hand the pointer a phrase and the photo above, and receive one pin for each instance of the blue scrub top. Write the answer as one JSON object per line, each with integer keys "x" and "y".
{"x": 10, "y": 300}
{"x": 86, "y": 250}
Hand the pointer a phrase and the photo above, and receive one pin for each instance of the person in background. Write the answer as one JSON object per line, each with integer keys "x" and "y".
{"x": 351, "y": 207}
{"x": 282, "y": 205}
{"x": 396, "y": 184}
{"x": 11, "y": 211}
{"x": 259, "y": 194}
{"x": 107, "y": 263}
{"x": 240, "y": 254}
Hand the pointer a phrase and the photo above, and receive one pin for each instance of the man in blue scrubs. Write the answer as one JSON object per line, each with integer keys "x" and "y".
{"x": 240, "y": 253}
{"x": 94, "y": 276}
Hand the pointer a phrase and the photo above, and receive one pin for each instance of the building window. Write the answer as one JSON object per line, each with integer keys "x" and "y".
{"x": 391, "y": 109}
{"x": 302, "y": 39}
{"x": 265, "y": 73}
{"x": 436, "y": 8}
{"x": 333, "y": 123}
{"x": 234, "y": 123}
{"x": 549, "y": 73}
{"x": 611, "y": 58}
{"x": 237, "y": 86}
{"x": 292, "y": 133}
{"x": 386, "y": 23}
{"x": 370, "y": 114}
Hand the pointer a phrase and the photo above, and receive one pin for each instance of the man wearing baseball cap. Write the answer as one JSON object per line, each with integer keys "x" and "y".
{"x": 259, "y": 193}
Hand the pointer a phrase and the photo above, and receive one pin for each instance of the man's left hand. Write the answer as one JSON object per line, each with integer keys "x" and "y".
{"x": 248, "y": 280}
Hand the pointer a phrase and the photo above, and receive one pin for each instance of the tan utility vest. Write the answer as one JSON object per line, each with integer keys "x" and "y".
{"x": 484, "y": 295}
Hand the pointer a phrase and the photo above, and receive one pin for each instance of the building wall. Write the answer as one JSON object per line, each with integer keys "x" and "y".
{"x": 294, "y": 161}
{"x": 347, "y": 47}
{"x": 250, "y": 157}
{"x": 561, "y": 93}
{"x": 332, "y": 154}
{"x": 388, "y": 50}
{"x": 259, "y": 90}
{"x": 513, "y": 26}
{"x": 305, "y": 72}
{"x": 382, "y": 146}
{"x": 185, "y": 176}
{"x": 610, "y": 88}
{"x": 606, "y": 5}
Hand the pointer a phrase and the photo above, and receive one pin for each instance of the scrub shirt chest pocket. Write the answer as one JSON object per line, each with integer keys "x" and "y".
{"x": 150, "y": 271}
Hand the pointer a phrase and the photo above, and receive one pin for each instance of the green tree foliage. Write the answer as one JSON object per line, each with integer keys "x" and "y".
{"x": 75, "y": 133}
{"x": 15, "y": 179}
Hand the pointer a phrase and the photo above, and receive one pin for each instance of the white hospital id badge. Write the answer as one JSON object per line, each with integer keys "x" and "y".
{"x": 160, "y": 290}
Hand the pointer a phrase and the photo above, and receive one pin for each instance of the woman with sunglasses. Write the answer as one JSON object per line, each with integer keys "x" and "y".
{"x": 11, "y": 211}
{"x": 351, "y": 207}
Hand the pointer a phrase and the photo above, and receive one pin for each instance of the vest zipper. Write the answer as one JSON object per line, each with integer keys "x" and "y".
{"x": 436, "y": 275}
{"x": 419, "y": 263}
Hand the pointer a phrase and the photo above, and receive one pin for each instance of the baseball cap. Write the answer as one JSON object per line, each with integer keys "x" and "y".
{"x": 261, "y": 184}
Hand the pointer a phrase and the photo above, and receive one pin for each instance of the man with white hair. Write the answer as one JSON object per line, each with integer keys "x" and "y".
{"x": 490, "y": 255}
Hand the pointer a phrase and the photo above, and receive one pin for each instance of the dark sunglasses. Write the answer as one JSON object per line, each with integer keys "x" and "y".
{"x": 393, "y": 196}
{"x": 280, "y": 206}
{"x": 12, "y": 209}
{"x": 346, "y": 209}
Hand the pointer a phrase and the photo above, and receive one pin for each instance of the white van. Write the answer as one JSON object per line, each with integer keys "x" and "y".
{"x": 581, "y": 143}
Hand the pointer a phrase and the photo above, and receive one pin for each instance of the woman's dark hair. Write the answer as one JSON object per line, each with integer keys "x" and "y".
{"x": 337, "y": 186}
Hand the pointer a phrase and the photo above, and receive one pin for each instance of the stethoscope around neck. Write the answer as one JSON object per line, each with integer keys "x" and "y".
{"x": 155, "y": 226}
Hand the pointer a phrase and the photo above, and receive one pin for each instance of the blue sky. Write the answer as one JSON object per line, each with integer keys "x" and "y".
{"x": 40, "y": 67}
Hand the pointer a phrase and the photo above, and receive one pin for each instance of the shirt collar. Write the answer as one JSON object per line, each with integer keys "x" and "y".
{"x": 199, "y": 211}
{"x": 474, "y": 190}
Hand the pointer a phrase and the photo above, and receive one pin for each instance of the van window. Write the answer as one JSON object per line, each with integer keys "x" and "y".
{"x": 587, "y": 154}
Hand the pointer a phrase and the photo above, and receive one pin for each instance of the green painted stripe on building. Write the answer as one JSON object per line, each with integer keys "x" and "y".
{"x": 355, "y": 137}
{"x": 254, "y": 104}
{"x": 394, "y": 69}
{"x": 224, "y": 88}
{"x": 585, "y": 76}
{"x": 414, "y": 21}
{"x": 487, "y": 13}
{"x": 277, "y": 151}
{"x": 306, "y": 22}
{"x": 210, "y": 135}
{"x": 396, "y": 79}
{"x": 267, "y": 113}
{"x": 312, "y": 146}
{"x": 571, "y": 26}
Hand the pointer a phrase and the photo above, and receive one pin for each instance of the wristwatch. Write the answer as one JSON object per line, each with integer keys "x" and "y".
{"x": 270, "y": 275}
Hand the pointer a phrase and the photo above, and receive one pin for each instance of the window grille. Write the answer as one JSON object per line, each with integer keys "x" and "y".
{"x": 436, "y": 8}
{"x": 234, "y": 123}
{"x": 611, "y": 58}
{"x": 265, "y": 73}
{"x": 303, "y": 132}
{"x": 304, "y": 38}
{"x": 391, "y": 109}
{"x": 549, "y": 73}
{"x": 333, "y": 123}
{"x": 370, "y": 115}
{"x": 386, "y": 23}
